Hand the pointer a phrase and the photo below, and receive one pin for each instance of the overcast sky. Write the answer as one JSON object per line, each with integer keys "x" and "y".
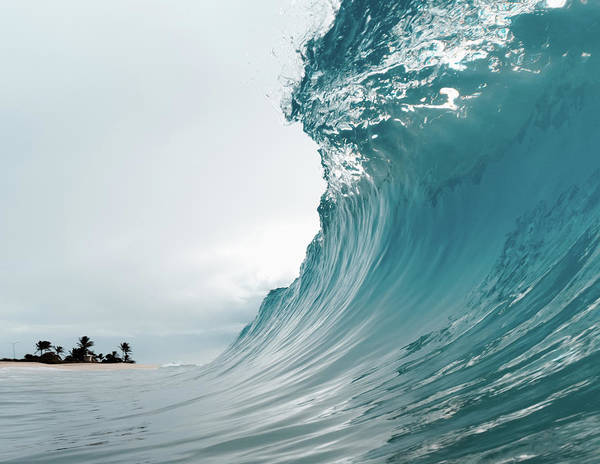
{"x": 149, "y": 189}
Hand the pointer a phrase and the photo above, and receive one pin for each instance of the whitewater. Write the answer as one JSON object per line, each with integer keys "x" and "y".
{"x": 448, "y": 311}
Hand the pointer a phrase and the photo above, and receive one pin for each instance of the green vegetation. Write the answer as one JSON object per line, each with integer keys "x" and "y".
{"x": 81, "y": 353}
{"x": 125, "y": 349}
{"x": 42, "y": 346}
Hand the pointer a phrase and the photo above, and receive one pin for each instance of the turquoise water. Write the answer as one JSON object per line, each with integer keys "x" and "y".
{"x": 447, "y": 312}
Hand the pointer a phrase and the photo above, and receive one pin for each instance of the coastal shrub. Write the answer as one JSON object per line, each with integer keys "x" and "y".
{"x": 50, "y": 358}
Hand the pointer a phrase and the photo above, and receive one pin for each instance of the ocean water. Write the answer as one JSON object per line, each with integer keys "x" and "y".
{"x": 449, "y": 309}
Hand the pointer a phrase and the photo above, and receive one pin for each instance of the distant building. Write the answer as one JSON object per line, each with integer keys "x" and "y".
{"x": 89, "y": 358}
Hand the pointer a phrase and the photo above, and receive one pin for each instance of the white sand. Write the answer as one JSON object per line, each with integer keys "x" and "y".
{"x": 79, "y": 366}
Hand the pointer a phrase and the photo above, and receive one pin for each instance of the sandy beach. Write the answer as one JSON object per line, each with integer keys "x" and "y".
{"x": 79, "y": 366}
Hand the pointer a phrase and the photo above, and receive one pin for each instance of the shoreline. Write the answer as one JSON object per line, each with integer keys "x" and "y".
{"x": 99, "y": 367}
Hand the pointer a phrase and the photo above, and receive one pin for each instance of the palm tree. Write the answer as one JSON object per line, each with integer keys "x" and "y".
{"x": 112, "y": 358}
{"x": 126, "y": 349}
{"x": 42, "y": 345}
{"x": 85, "y": 343}
{"x": 58, "y": 350}
{"x": 76, "y": 354}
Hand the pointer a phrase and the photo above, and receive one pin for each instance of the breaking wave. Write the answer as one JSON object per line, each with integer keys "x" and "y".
{"x": 448, "y": 310}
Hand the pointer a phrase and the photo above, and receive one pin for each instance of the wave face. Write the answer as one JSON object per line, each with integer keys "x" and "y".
{"x": 448, "y": 311}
